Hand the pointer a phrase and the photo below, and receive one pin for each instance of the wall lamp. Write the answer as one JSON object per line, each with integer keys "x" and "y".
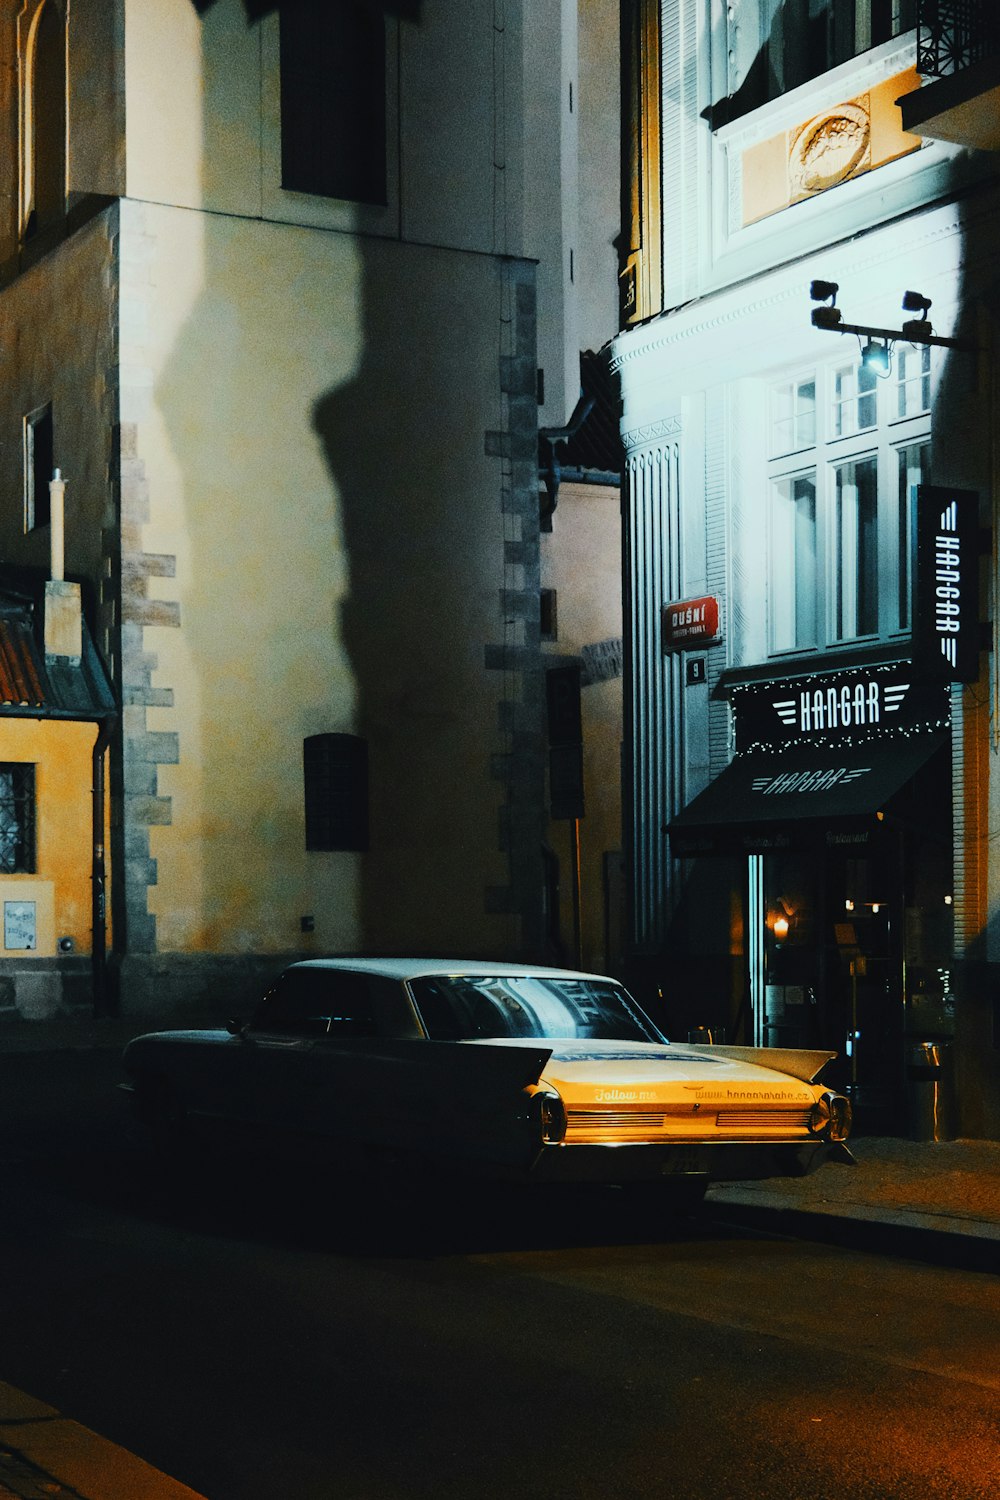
{"x": 876, "y": 356}
{"x": 877, "y": 352}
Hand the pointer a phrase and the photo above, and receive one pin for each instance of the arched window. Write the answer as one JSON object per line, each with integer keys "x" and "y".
{"x": 42, "y": 38}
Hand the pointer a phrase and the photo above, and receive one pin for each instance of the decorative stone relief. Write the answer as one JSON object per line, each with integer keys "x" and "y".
{"x": 830, "y": 148}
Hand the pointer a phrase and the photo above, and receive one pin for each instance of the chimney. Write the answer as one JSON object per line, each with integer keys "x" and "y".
{"x": 63, "y": 609}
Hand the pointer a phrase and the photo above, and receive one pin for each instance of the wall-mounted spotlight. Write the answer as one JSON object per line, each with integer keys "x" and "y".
{"x": 917, "y": 328}
{"x": 878, "y": 350}
{"x": 875, "y": 356}
{"x": 825, "y": 291}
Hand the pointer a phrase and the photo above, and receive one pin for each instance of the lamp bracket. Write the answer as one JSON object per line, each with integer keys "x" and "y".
{"x": 897, "y": 335}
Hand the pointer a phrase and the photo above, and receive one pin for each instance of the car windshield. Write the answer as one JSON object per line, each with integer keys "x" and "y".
{"x": 462, "y": 1007}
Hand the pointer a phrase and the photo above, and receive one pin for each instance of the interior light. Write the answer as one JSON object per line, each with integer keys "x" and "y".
{"x": 848, "y": 904}
{"x": 781, "y": 928}
{"x": 875, "y": 908}
{"x": 948, "y": 900}
{"x": 875, "y": 356}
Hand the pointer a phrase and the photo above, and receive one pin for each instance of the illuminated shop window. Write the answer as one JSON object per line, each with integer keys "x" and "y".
{"x": 841, "y": 509}
{"x": 39, "y": 448}
{"x": 42, "y": 56}
{"x": 333, "y": 100}
{"x": 17, "y": 819}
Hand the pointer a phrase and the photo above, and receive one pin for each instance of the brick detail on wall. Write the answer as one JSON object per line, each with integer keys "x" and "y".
{"x": 142, "y": 750}
{"x": 516, "y": 659}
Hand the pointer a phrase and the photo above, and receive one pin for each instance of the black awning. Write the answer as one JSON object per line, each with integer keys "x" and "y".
{"x": 799, "y": 795}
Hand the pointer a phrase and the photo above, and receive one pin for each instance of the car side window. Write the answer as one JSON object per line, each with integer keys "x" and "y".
{"x": 316, "y": 1002}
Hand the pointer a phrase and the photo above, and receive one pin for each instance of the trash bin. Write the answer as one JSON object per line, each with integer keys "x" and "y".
{"x": 930, "y": 1091}
{"x": 705, "y": 1036}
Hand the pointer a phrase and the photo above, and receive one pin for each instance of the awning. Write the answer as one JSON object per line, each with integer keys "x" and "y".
{"x": 800, "y": 795}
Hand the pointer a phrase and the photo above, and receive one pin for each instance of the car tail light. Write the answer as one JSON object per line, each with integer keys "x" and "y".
{"x": 819, "y": 1119}
{"x": 831, "y": 1117}
{"x": 840, "y": 1117}
{"x": 551, "y": 1116}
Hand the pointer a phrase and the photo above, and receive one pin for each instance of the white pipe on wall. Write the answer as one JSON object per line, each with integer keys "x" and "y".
{"x": 57, "y": 524}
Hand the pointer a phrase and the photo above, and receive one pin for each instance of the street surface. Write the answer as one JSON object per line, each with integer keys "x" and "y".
{"x": 253, "y": 1344}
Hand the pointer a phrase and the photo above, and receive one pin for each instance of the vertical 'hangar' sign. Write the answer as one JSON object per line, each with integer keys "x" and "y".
{"x": 946, "y": 615}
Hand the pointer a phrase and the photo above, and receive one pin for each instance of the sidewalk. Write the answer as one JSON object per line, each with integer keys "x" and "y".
{"x": 934, "y": 1200}
{"x": 43, "y": 1454}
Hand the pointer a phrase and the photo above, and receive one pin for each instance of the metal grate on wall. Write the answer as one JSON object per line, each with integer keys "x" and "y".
{"x": 952, "y": 35}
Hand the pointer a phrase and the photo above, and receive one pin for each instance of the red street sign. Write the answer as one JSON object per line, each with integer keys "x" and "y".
{"x": 688, "y": 623}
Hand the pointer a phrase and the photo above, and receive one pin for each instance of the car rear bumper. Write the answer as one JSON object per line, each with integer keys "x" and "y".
{"x": 725, "y": 1161}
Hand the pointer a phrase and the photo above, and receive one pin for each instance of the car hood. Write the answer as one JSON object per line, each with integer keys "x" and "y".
{"x": 625, "y": 1074}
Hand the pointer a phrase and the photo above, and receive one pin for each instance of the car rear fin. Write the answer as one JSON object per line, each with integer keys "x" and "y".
{"x": 795, "y": 1061}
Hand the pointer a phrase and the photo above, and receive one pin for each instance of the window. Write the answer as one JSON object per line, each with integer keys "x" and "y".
{"x": 803, "y": 38}
{"x": 335, "y": 768}
{"x": 316, "y": 1002}
{"x": 547, "y": 615}
{"x": 42, "y": 49}
{"x": 39, "y": 453}
{"x": 333, "y": 100}
{"x": 848, "y": 451}
{"x": 17, "y": 819}
{"x": 793, "y": 537}
{"x": 800, "y": 39}
{"x": 527, "y": 1005}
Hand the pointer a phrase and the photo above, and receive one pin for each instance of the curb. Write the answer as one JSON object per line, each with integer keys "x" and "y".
{"x": 963, "y": 1244}
{"x": 44, "y": 1453}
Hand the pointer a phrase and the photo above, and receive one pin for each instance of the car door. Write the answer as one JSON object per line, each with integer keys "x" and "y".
{"x": 300, "y": 1049}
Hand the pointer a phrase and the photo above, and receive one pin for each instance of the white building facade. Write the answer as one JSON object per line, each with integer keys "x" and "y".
{"x": 813, "y": 792}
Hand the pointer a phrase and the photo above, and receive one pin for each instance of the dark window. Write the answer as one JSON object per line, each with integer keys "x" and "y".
{"x": 336, "y": 791}
{"x": 801, "y": 39}
{"x": 547, "y": 611}
{"x": 48, "y": 121}
{"x": 17, "y": 819}
{"x": 39, "y": 450}
{"x": 333, "y": 130}
{"x": 316, "y": 1002}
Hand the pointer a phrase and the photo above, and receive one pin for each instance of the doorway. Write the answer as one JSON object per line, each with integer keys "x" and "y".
{"x": 852, "y": 939}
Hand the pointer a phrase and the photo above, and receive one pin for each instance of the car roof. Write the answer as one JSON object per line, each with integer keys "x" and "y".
{"x": 419, "y": 968}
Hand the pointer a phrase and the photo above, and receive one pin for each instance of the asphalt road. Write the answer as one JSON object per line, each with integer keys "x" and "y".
{"x": 285, "y": 1337}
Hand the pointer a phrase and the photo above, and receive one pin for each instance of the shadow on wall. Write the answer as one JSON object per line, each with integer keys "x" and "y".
{"x": 325, "y": 400}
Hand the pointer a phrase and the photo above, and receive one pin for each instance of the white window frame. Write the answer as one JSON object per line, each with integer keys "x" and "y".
{"x": 35, "y": 515}
{"x": 884, "y": 441}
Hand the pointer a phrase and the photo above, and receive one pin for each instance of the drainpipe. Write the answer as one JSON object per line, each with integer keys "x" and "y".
{"x": 99, "y": 919}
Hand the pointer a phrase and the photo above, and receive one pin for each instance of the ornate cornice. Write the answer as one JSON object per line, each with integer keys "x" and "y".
{"x": 672, "y": 329}
{"x": 652, "y": 432}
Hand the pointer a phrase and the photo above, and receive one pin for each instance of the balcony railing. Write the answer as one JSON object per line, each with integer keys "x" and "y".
{"x": 954, "y": 34}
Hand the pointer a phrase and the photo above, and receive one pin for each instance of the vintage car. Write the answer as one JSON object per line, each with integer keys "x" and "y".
{"x": 535, "y": 1073}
